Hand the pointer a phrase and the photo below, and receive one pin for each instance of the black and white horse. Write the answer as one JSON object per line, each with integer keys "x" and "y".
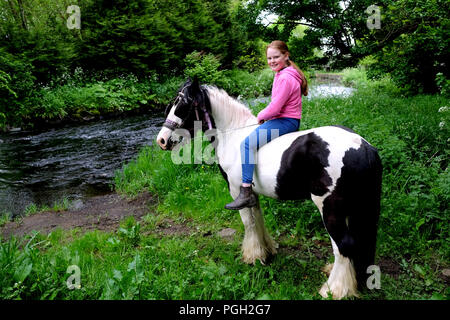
{"x": 333, "y": 166}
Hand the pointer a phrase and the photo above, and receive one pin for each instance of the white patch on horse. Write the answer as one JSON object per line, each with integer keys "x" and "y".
{"x": 342, "y": 280}
{"x": 165, "y": 133}
{"x": 173, "y": 117}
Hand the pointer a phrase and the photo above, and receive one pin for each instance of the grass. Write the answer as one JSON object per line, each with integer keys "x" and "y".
{"x": 140, "y": 261}
{"x": 58, "y": 205}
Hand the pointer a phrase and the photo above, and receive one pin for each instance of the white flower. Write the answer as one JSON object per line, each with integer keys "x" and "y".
{"x": 441, "y": 124}
{"x": 443, "y": 109}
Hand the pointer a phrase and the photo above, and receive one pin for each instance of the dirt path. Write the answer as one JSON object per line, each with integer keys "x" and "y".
{"x": 100, "y": 213}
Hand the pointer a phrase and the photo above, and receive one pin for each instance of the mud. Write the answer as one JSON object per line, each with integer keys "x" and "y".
{"x": 99, "y": 213}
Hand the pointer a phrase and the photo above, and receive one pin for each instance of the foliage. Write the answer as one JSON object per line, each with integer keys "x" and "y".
{"x": 136, "y": 36}
{"x": 20, "y": 88}
{"x": 140, "y": 36}
{"x": 411, "y": 44}
{"x": 78, "y": 97}
{"x": 236, "y": 82}
{"x": 5, "y": 90}
{"x": 204, "y": 67}
{"x": 421, "y": 48}
{"x": 242, "y": 84}
{"x": 82, "y": 101}
{"x": 331, "y": 26}
{"x": 148, "y": 39}
{"x": 443, "y": 84}
{"x": 354, "y": 77}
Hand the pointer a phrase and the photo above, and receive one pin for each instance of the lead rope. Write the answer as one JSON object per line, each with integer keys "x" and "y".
{"x": 235, "y": 129}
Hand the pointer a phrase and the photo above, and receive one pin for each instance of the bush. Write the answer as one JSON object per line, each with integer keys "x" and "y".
{"x": 443, "y": 84}
{"x": 240, "y": 83}
{"x": 117, "y": 95}
{"x": 17, "y": 87}
{"x": 236, "y": 82}
{"x": 203, "y": 66}
{"x": 354, "y": 77}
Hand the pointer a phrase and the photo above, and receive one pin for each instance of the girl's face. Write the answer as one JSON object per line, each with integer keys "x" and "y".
{"x": 276, "y": 60}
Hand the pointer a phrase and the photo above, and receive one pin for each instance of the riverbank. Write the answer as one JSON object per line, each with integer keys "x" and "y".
{"x": 97, "y": 213}
{"x": 73, "y": 162}
{"x": 80, "y": 100}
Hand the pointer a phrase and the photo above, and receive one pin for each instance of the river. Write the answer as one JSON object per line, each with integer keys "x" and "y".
{"x": 71, "y": 162}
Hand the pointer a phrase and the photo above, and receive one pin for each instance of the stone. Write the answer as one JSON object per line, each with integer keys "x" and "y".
{"x": 227, "y": 233}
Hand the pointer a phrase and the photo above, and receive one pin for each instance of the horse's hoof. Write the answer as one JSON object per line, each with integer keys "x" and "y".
{"x": 337, "y": 291}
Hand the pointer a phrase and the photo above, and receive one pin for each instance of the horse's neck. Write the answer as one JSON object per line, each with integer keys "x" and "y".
{"x": 227, "y": 112}
{"x": 232, "y": 120}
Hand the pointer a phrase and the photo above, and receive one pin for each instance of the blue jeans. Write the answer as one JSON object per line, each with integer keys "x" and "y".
{"x": 263, "y": 134}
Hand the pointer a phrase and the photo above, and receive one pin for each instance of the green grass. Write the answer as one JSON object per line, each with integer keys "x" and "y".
{"x": 58, "y": 205}
{"x": 139, "y": 261}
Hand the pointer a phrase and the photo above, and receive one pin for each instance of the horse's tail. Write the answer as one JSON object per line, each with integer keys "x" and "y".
{"x": 364, "y": 214}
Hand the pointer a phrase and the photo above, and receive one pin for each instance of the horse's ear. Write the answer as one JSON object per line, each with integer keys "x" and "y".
{"x": 195, "y": 86}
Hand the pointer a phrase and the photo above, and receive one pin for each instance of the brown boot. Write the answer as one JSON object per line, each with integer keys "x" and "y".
{"x": 245, "y": 199}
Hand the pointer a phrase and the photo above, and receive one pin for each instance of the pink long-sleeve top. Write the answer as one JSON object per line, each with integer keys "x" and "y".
{"x": 286, "y": 96}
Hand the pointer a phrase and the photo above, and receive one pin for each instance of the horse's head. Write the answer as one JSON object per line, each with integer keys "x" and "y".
{"x": 190, "y": 104}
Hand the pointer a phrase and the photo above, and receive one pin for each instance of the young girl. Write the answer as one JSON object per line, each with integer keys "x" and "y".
{"x": 283, "y": 114}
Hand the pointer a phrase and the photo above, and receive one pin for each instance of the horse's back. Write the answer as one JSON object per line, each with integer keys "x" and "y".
{"x": 302, "y": 163}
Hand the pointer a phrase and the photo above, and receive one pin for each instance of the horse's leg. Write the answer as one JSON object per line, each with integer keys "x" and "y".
{"x": 342, "y": 279}
{"x": 257, "y": 244}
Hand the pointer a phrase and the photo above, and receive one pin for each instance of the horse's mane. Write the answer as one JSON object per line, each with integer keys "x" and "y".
{"x": 232, "y": 112}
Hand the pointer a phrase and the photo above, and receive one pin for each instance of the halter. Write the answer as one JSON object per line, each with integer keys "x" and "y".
{"x": 172, "y": 125}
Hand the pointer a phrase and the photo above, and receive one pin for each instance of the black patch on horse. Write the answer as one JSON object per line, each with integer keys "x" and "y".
{"x": 356, "y": 200}
{"x": 302, "y": 169}
{"x": 225, "y": 176}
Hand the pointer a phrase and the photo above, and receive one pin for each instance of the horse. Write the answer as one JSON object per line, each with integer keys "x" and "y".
{"x": 332, "y": 165}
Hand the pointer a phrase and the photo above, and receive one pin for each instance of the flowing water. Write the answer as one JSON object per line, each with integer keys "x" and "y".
{"x": 71, "y": 162}
{"x": 79, "y": 161}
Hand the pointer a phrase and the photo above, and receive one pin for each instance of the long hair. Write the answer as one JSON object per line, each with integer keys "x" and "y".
{"x": 283, "y": 48}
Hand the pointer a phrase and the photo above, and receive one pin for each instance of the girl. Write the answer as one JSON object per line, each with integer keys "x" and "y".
{"x": 283, "y": 114}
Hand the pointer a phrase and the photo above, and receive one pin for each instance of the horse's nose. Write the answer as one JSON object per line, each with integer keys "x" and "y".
{"x": 163, "y": 138}
{"x": 162, "y": 143}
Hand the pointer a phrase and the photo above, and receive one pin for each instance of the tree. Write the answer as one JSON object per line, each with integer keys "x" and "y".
{"x": 416, "y": 48}
{"x": 146, "y": 35}
{"x": 411, "y": 43}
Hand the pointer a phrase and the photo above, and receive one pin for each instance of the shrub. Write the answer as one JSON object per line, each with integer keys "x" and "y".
{"x": 204, "y": 66}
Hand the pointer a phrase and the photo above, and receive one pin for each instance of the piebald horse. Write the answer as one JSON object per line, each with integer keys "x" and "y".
{"x": 333, "y": 166}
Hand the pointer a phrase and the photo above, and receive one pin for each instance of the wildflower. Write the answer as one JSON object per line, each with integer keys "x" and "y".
{"x": 443, "y": 109}
{"x": 441, "y": 124}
